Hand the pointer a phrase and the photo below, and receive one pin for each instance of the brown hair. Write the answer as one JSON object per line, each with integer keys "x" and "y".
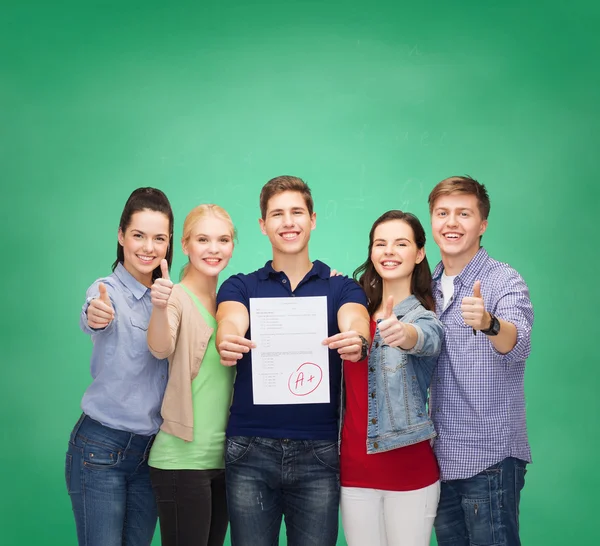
{"x": 462, "y": 185}
{"x": 420, "y": 282}
{"x": 278, "y": 185}
{"x": 146, "y": 199}
{"x": 197, "y": 213}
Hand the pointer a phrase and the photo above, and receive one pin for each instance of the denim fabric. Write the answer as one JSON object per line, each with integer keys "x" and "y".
{"x": 482, "y": 510}
{"x": 399, "y": 382}
{"x": 268, "y": 479}
{"x": 108, "y": 481}
{"x": 192, "y": 508}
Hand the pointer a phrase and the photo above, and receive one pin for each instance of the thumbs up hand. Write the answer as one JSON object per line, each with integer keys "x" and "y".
{"x": 473, "y": 310}
{"x": 100, "y": 311}
{"x": 162, "y": 288}
{"x": 393, "y": 332}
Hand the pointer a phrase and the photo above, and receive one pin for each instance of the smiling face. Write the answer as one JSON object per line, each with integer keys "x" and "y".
{"x": 288, "y": 223}
{"x": 145, "y": 243}
{"x": 210, "y": 245}
{"x": 457, "y": 226}
{"x": 394, "y": 252}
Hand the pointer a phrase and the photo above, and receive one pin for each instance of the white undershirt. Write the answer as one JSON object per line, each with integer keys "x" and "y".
{"x": 447, "y": 288}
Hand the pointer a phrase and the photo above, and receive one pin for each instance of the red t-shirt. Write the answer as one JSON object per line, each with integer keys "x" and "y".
{"x": 402, "y": 469}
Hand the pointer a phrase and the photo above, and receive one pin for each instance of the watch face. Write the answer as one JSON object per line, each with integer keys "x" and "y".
{"x": 494, "y": 327}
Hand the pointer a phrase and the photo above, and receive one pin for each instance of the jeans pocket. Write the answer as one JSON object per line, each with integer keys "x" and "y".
{"x": 236, "y": 448}
{"x": 482, "y": 505}
{"x": 100, "y": 457}
{"x": 326, "y": 454}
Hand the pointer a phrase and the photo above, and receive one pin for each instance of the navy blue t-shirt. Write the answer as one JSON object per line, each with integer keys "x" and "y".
{"x": 293, "y": 421}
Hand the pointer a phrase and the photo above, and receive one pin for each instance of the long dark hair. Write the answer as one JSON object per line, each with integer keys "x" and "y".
{"x": 420, "y": 283}
{"x": 146, "y": 199}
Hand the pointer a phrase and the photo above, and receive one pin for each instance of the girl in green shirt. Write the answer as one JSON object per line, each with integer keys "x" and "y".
{"x": 187, "y": 457}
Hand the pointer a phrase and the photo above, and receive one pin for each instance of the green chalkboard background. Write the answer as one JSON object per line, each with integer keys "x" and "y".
{"x": 371, "y": 103}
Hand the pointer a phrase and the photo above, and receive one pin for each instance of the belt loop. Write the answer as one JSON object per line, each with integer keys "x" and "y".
{"x": 148, "y": 447}
{"x": 126, "y": 448}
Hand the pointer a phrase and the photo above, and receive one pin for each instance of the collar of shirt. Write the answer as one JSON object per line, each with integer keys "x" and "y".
{"x": 467, "y": 276}
{"x": 406, "y": 305}
{"x": 318, "y": 268}
{"x": 137, "y": 289}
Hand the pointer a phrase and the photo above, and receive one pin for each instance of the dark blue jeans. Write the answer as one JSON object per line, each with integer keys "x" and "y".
{"x": 108, "y": 481}
{"x": 482, "y": 510}
{"x": 268, "y": 479}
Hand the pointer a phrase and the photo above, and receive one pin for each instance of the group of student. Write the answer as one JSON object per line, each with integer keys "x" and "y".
{"x": 425, "y": 424}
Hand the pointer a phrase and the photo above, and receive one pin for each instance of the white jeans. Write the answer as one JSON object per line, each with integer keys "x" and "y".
{"x": 374, "y": 517}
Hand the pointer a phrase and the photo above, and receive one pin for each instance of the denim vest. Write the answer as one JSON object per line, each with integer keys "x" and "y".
{"x": 399, "y": 382}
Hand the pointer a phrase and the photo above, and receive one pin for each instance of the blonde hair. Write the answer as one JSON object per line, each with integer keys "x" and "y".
{"x": 196, "y": 214}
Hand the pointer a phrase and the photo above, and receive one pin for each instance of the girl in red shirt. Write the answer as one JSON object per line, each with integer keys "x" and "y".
{"x": 390, "y": 496}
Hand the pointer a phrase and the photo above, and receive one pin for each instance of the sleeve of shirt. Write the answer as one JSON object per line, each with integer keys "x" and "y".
{"x": 430, "y": 334}
{"x": 234, "y": 289}
{"x": 514, "y": 306}
{"x": 350, "y": 292}
{"x": 174, "y": 312}
{"x": 93, "y": 293}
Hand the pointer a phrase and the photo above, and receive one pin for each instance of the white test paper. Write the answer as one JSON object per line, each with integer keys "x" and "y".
{"x": 289, "y": 363}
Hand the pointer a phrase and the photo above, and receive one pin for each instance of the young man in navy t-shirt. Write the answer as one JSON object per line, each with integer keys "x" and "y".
{"x": 282, "y": 460}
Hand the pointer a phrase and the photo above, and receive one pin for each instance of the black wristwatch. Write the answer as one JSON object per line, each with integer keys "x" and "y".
{"x": 494, "y": 327}
{"x": 364, "y": 350}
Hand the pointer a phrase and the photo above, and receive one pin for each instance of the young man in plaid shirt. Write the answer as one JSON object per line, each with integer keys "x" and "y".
{"x": 477, "y": 398}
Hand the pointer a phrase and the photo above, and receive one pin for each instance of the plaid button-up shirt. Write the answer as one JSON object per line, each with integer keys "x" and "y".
{"x": 477, "y": 399}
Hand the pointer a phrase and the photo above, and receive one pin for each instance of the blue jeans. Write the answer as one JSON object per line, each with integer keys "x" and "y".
{"x": 268, "y": 479}
{"x": 108, "y": 481}
{"x": 482, "y": 510}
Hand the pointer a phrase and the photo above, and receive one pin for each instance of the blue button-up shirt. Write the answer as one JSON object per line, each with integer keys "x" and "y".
{"x": 129, "y": 383}
{"x": 477, "y": 396}
{"x": 294, "y": 421}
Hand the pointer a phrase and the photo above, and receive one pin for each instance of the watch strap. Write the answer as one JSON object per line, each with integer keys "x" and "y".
{"x": 494, "y": 327}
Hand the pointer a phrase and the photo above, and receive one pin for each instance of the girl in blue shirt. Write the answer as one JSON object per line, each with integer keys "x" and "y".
{"x": 106, "y": 469}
